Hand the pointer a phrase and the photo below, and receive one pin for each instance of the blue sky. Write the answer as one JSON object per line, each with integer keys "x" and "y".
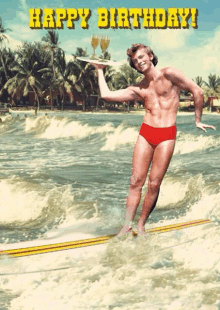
{"x": 193, "y": 51}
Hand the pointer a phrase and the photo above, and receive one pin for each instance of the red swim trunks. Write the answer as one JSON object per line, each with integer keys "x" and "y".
{"x": 157, "y": 135}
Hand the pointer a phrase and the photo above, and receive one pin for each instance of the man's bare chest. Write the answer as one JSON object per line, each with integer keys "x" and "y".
{"x": 157, "y": 90}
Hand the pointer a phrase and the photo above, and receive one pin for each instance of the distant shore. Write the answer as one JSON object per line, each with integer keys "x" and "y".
{"x": 139, "y": 112}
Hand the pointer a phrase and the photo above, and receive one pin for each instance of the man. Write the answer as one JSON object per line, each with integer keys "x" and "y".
{"x": 160, "y": 92}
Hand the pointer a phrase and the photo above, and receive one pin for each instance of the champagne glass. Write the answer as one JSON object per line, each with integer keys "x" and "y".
{"x": 94, "y": 42}
{"x": 104, "y": 43}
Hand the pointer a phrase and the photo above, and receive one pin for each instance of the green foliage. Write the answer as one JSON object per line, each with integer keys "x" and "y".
{"x": 51, "y": 39}
{"x": 212, "y": 87}
{"x": 42, "y": 67}
{"x": 126, "y": 77}
{"x": 199, "y": 81}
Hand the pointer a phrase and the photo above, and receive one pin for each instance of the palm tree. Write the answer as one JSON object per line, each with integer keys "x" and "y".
{"x": 110, "y": 77}
{"x": 7, "y": 60}
{"x": 186, "y": 93}
{"x": 31, "y": 67}
{"x": 65, "y": 82}
{"x": 126, "y": 77}
{"x": 199, "y": 81}
{"x": 51, "y": 40}
{"x": 213, "y": 85}
{"x": 212, "y": 88}
{"x": 109, "y": 72}
{"x": 3, "y": 38}
{"x": 80, "y": 52}
{"x": 86, "y": 83}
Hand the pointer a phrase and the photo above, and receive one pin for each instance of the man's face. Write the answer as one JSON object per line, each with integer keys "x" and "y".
{"x": 141, "y": 60}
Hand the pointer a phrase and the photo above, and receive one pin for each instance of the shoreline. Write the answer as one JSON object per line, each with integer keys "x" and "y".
{"x": 140, "y": 112}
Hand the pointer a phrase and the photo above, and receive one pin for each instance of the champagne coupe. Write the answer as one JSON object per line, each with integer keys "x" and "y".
{"x": 94, "y": 42}
{"x": 104, "y": 43}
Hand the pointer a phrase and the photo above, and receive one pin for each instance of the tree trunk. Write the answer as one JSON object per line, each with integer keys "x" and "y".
{"x": 54, "y": 77}
{"x": 3, "y": 63}
{"x": 51, "y": 99}
{"x": 210, "y": 100}
{"x": 97, "y": 103}
{"x": 84, "y": 103}
{"x": 38, "y": 101}
{"x": 62, "y": 101}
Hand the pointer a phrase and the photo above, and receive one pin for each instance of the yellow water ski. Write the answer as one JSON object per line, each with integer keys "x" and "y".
{"x": 93, "y": 241}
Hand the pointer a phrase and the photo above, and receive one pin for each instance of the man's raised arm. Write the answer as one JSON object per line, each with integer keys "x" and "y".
{"x": 117, "y": 95}
{"x": 178, "y": 79}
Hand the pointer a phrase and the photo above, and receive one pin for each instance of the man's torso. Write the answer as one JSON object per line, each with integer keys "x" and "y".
{"x": 161, "y": 100}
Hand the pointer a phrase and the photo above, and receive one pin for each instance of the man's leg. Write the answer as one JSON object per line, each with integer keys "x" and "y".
{"x": 143, "y": 153}
{"x": 160, "y": 162}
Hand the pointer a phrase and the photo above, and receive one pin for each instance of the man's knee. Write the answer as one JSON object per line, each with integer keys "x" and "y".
{"x": 136, "y": 182}
{"x": 154, "y": 185}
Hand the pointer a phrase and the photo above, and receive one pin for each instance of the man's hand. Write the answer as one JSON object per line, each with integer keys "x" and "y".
{"x": 204, "y": 126}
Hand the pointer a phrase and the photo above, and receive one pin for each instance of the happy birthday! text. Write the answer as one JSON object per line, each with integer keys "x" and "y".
{"x": 115, "y": 18}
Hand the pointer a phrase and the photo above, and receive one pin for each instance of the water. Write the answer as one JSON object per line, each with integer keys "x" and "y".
{"x": 65, "y": 176}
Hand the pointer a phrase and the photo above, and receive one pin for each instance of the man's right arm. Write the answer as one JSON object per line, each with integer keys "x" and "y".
{"x": 117, "y": 95}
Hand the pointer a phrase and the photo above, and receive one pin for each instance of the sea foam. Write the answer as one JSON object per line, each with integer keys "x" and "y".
{"x": 54, "y": 128}
{"x": 187, "y": 143}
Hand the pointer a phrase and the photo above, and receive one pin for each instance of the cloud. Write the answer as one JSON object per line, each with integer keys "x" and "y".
{"x": 197, "y": 60}
{"x": 25, "y": 33}
{"x": 176, "y": 48}
{"x": 119, "y": 55}
{"x": 23, "y": 4}
{"x": 206, "y": 57}
{"x": 24, "y": 13}
{"x": 12, "y": 43}
{"x": 86, "y": 40}
{"x": 23, "y": 16}
{"x": 71, "y": 45}
{"x": 167, "y": 39}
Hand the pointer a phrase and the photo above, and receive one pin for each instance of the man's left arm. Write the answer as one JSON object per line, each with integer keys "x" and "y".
{"x": 180, "y": 80}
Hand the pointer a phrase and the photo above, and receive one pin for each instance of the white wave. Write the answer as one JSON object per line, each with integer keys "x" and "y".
{"x": 22, "y": 201}
{"x": 203, "y": 251}
{"x": 54, "y": 128}
{"x": 187, "y": 143}
{"x": 172, "y": 192}
{"x": 36, "y": 124}
{"x": 5, "y": 123}
{"x": 17, "y": 203}
{"x": 180, "y": 269}
{"x": 120, "y": 136}
{"x": 177, "y": 272}
{"x": 207, "y": 207}
{"x": 6, "y": 118}
{"x": 74, "y": 129}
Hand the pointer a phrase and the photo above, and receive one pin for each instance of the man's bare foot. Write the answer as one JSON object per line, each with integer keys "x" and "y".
{"x": 125, "y": 230}
{"x": 140, "y": 230}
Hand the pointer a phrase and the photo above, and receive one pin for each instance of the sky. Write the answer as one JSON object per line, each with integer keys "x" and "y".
{"x": 195, "y": 52}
